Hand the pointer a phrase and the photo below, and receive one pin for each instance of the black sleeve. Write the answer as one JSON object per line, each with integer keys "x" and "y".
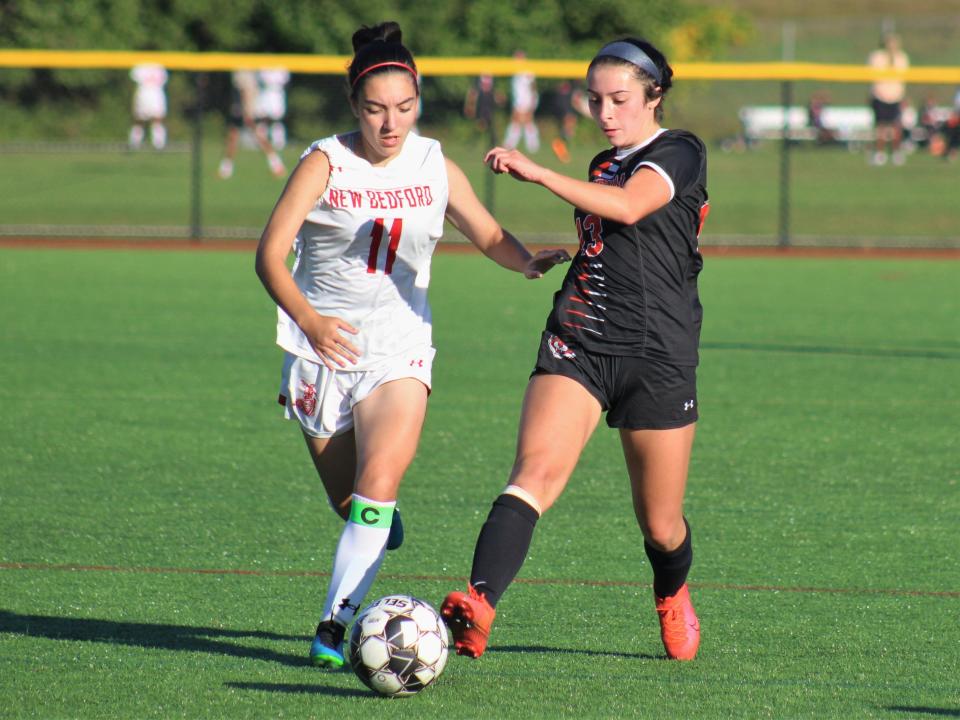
{"x": 679, "y": 157}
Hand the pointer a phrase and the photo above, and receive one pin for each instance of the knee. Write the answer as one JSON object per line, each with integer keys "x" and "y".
{"x": 379, "y": 483}
{"x": 664, "y": 533}
{"x": 541, "y": 476}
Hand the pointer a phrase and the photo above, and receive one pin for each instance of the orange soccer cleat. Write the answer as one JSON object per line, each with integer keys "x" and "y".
{"x": 559, "y": 148}
{"x": 679, "y": 627}
{"x": 469, "y": 616}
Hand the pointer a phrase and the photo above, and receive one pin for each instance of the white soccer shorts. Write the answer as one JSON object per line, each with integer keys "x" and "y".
{"x": 149, "y": 105}
{"x": 322, "y": 400}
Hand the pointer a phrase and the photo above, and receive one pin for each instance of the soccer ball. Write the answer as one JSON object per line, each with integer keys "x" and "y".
{"x": 398, "y": 645}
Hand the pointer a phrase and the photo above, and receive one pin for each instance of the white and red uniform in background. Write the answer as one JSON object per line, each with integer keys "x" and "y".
{"x": 272, "y": 104}
{"x": 149, "y": 104}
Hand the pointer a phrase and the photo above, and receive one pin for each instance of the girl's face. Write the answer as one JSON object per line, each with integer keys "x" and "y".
{"x": 386, "y": 108}
{"x": 619, "y": 105}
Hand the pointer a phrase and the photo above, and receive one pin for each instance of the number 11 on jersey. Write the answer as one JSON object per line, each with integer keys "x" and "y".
{"x": 376, "y": 236}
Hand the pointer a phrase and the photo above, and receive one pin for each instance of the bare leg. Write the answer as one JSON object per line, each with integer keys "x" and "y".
{"x": 336, "y": 462}
{"x": 657, "y": 462}
{"x": 559, "y": 416}
{"x": 387, "y": 426}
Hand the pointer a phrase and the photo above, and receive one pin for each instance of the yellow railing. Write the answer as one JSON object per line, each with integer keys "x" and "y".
{"x": 336, "y": 64}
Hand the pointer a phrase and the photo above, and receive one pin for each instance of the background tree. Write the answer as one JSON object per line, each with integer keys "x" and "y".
{"x": 96, "y": 102}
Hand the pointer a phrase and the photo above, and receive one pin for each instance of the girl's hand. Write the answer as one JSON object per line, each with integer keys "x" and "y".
{"x": 514, "y": 162}
{"x": 543, "y": 261}
{"x": 324, "y": 334}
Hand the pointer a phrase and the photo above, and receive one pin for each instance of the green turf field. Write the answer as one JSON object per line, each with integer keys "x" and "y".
{"x": 834, "y": 194}
{"x": 165, "y": 542}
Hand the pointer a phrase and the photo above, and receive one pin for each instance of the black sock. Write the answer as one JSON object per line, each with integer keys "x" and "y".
{"x": 670, "y": 568}
{"x": 502, "y": 546}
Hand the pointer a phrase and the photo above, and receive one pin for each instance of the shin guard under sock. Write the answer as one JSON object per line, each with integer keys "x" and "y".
{"x": 670, "y": 568}
{"x": 502, "y": 546}
{"x": 358, "y": 557}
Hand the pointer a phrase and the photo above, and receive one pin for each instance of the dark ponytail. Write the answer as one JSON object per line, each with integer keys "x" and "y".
{"x": 378, "y": 49}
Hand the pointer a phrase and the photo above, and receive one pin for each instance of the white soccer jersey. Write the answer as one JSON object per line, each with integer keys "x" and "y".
{"x": 363, "y": 252}
{"x": 149, "y": 99}
{"x": 272, "y": 100}
{"x": 524, "y": 92}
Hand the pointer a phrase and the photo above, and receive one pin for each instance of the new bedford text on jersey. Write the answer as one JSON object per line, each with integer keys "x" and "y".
{"x": 406, "y": 197}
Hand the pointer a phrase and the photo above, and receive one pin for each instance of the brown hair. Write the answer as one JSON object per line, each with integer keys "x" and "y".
{"x": 378, "y": 49}
{"x": 652, "y": 88}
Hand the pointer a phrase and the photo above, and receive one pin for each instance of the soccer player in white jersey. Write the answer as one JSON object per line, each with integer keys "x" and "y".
{"x": 523, "y": 104}
{"x": 272, "y": 104}
{"x": 149, "y": 105}
{"x": 241, "y": 114}
{"x": 366, "y": 209}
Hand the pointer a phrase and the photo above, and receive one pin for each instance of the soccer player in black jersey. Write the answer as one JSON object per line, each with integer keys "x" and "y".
{"x": 622, "y": 338}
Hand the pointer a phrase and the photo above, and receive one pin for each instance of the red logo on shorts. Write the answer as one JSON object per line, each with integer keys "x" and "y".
{"x": 307, "y": 398}
{"x": 559, "y": 349}
{"x": 416, "y": 363}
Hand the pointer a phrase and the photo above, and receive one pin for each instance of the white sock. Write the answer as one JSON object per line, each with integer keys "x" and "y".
{"x": 278, "y": 135}
{"x": 512, "y": 137}
{"x": 158, "y": 135}
{"x": 276, "y": 164}
{"x": 136, "y": 136}
{"x": 358, "y": 558}
{"x": 531, "y": 136}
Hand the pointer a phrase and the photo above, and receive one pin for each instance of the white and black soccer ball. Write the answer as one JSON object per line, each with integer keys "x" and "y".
{"x": 398, "y": 645}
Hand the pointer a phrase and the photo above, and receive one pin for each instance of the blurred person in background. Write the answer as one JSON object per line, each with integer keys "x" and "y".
{"x": 149, "y": 105}
{"x": 569, "y": 102}
{"x": 241, "y": 114}
{"x": 622, "y": 338}
{"x": 951, "y": 131}
{"x": 523, "y": 104}
{"x": 815, "y": 107}
{"x": 363, "y": 211}
{"x": 887, "y": 96}
{"x": 481, "y": 103}
{"x": 272, "y": 105}
{"x": 929, "y": 125}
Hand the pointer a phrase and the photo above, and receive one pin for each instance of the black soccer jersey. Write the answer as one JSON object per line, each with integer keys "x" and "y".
{"x": 632, "y": 289}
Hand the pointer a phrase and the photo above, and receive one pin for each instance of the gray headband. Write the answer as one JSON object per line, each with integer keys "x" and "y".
{"x": 632, "y": 54}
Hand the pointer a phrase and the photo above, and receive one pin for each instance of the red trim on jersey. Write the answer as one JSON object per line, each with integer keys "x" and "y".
{"x": 704, "y": 211}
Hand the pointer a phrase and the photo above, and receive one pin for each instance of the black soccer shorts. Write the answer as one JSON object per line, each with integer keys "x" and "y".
{"x": 636, "y": 393}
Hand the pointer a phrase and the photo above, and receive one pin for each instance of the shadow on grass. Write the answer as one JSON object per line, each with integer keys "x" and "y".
{"x": 154, "y": 636}
{"x": 834, "y": 350}
{"x": 570, "y": 651}
{"x": 301, "y": 688}
{"x": 938, "y": 712}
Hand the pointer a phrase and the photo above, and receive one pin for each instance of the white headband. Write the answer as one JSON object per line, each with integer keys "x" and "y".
{"x": 632, "y": 54}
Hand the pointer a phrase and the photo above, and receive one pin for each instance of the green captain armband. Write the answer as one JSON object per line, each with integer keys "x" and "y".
{"x": 370, "y": 515}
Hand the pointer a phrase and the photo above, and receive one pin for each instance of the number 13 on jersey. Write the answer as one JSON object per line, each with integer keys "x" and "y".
{"x": 376, "y": 238}
{"x": 590, "y": 233}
